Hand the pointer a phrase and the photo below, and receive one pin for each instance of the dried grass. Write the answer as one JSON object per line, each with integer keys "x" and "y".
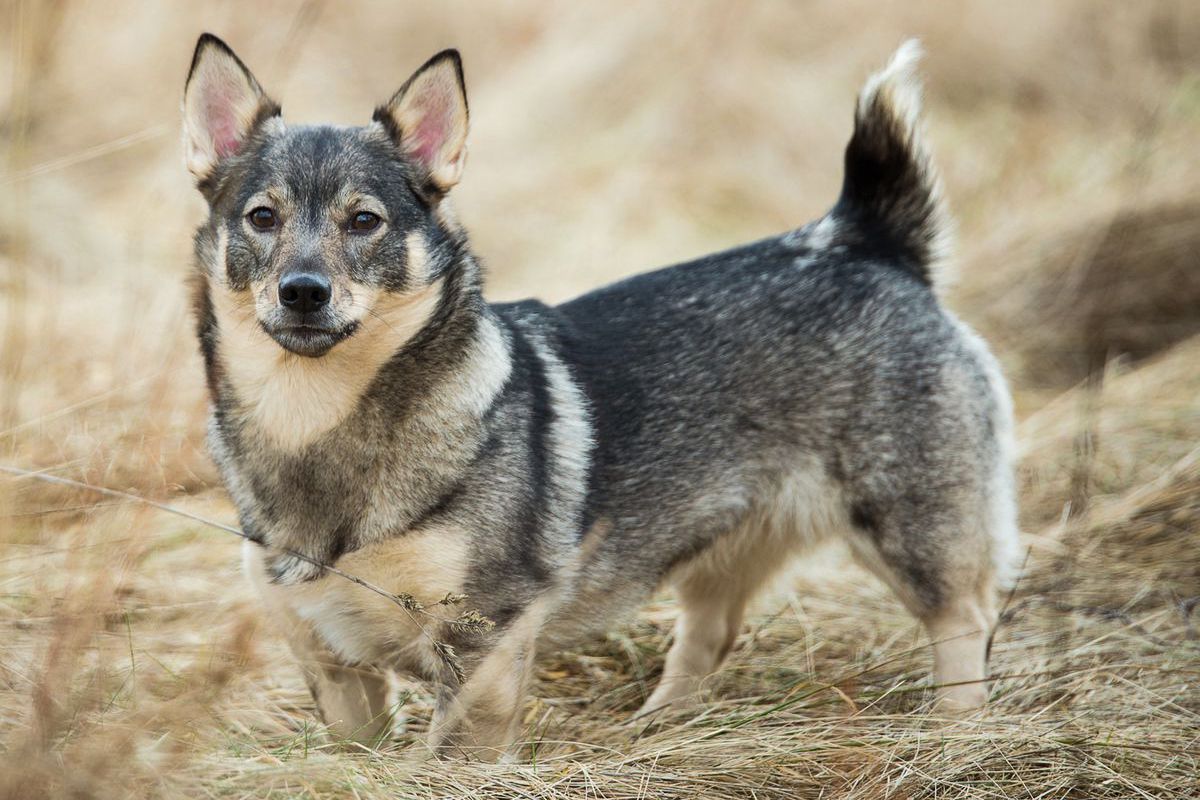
{"x": 133, "y": 664}
{"x": 1121, "y": 286}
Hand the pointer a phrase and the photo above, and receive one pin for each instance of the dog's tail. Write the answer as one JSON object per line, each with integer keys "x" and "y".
{"x": 891, "y": 193}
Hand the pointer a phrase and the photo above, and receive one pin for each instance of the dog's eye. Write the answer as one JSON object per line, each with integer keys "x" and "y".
{"x": 364, "y": 221}
{"x": 262, "y": 218}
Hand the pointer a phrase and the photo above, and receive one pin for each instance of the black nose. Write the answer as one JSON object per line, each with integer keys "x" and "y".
{"x": 304, "y": 291}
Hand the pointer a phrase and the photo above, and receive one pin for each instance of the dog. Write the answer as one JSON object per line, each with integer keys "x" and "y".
{"x": 694, "y": 426}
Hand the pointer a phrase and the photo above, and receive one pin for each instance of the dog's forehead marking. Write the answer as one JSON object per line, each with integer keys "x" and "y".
{"x": 308, "y": 160}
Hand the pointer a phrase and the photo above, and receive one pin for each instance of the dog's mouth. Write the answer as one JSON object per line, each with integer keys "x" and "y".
{"x": 310, "y": 341}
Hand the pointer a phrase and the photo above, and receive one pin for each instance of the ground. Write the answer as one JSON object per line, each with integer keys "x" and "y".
{"x": 134, "y": 662}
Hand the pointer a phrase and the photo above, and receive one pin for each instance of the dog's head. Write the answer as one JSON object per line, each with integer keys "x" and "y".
{"x": 315, "y": 231}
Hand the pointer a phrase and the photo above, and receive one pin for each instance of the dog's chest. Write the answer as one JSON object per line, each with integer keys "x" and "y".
{"x": 357, "y": 486}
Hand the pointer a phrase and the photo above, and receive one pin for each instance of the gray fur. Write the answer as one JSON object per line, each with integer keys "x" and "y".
{"x": 804, "y": 386}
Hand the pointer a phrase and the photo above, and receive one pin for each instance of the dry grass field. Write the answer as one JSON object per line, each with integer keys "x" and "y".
{"x": 607, "y": 139}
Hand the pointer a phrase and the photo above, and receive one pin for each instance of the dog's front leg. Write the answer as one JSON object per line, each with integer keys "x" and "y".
{"x": 481, "y": 719}
{"x": 355, "y": 702}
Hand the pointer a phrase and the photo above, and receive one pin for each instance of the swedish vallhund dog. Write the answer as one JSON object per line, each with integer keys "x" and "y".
{"x": 693, "y": 426}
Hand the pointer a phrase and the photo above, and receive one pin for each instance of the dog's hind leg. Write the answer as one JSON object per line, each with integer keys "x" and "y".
{"x": 713, "y": 590}
{"x": 942, "y": 564}
{"x": 959, "y": 632}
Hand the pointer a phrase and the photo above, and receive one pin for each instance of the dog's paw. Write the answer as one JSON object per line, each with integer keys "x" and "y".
{"x": 288, "y": 570}
{"x": 961, "y": 701}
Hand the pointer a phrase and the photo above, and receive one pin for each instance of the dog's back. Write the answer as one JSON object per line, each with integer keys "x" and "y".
{"x": 798, "y": 386}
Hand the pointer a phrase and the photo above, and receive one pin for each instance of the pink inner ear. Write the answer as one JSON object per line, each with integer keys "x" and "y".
{"x": 222, "y": 121}
{"x": 428, "y": 137}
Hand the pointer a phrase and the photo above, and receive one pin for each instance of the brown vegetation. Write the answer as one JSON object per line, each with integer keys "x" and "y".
{"x": 606, "y": 141}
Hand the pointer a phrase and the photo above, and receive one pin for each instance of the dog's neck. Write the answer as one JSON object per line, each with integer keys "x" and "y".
{"x": 403, "y": 419}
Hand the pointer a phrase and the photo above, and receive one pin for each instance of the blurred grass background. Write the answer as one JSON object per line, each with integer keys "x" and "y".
{"x": 608, "y": 139}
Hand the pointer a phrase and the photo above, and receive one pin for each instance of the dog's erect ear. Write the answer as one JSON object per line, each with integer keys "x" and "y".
{"x": 427, "y": 118}
{"x": 222, "y": 105}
